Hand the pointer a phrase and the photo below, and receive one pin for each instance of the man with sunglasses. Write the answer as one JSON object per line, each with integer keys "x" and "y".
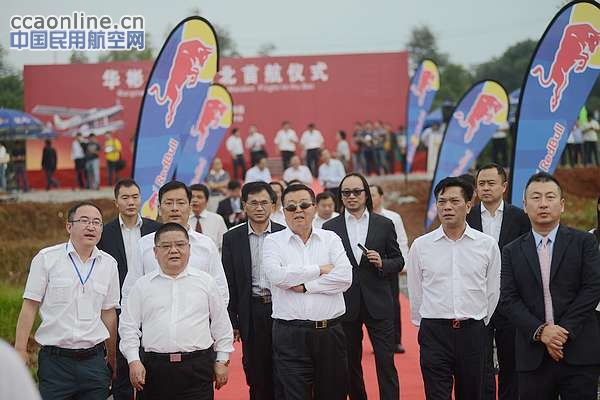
{"x": 184, "y": 323}
{"x": 308, "y": 271}
{"x": 250, "y": 305}
{"x": 369, "y": 300}
{"x": 75, "y": 286}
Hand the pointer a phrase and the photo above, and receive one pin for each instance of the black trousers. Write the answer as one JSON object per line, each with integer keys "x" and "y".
{"x": 189, "y": 379}
{"x": 80, "y": 172}
{"x": 395, "y": 285}
{"x": 451, "y": 354}
{"x": 258, "y": 354}
{"x": 312, "y": 161}
{"x": 239, "y": 162}
{"x": 552, "y": 379}
{"x": 499, "y": 151}
{"x": 286, "y": 156}
{"x": 310, "y": 363}
{"x": 508, "y": 379}
{"x": 256, "y": 155}
{"x": 381, "y": 333}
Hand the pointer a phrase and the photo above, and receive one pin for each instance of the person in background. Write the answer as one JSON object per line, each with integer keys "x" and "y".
{"x": 401, "y": 146}
{"x": 217, "y": 179}
{"x": 112, "y": 153}
{"x": 92, "y": 162}
{"x": 259, "y": 172}
{"x": 596, "y": 230}
{"x": 379, "y": 139}
{"x": 342, "y": 150}
{"x": 230, "y": 208}
{"x": 500, "y": 145}
{"x": 286, "y": 140}
{"x": 277, "y": 212}
{"x": 590, "y": 142}
{"x": 78, "y": 156}
{"x": 298, "y": 171}
{"x": 19, "y": 163}
{"x": 49, "y": 161}
{"x": 325, "y": 209}
{"x": 235, "y": 147}
{"x": 432, "y": 137}
{"x": 390, "y": 146}
{"x": 203, "y": 221}
{"x": 4, "y": 159}
{"x": 358, "y": 162}
{"x": 312, "y": 142}
{"x": 331, "y": 172}
{"x": 368, "y": 153}
{"x": 255, "y": 142}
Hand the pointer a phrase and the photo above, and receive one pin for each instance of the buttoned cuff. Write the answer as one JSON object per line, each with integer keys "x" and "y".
{"x": 132, "y": 356}
{"x": 222, "y": 356}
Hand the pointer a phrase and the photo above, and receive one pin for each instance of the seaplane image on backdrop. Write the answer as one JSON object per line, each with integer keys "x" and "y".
{"x": 70, "y": 121}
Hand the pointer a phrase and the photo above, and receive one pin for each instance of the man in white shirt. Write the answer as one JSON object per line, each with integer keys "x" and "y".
{"x": 309, "y": 272}
{"x": 297, "y": 172}
{"x": 331, "y": 172}
{"x": 78, "y": 157}
{"x": 454, "y": 286}
{"x": 286, "y": 140}
{"x": 75, "y": 286}
{"x": 325, "y": 209}
{"x": 120, "y": 239}
{"x": 174, "y": 205}
{"x": 402, "y": 238}
{"x": 259, "y": 172}
{"x": 203, "y": 221}
{"x": 235, "y": 147}
{"x": 184, "y": 322}
{"x": 255, "y": 142}
{"x": 312, "y": 142}
{"x": 277, "y": 212}
{"x": 432, "y": 137}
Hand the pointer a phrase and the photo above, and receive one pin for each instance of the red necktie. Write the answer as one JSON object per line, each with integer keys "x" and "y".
{"x": 198, "y": 225}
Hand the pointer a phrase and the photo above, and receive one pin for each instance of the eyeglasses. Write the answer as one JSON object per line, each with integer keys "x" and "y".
{"x": 180, "y": 246}
{"x": 293, "y": 207}
{"x": 262, "y": 204}
{"x": 96, "y": 223}
{"x": 170, "y": 204}
{"x": 355, "y": 192}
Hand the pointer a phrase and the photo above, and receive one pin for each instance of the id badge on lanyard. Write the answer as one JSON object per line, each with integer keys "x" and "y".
{"x": 85, "y": 300}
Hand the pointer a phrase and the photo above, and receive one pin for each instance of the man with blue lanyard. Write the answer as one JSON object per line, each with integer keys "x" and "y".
{"x": 75, "y": 286}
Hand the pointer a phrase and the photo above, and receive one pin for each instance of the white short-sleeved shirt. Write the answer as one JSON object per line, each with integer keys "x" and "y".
{"x": 54, "y": 283}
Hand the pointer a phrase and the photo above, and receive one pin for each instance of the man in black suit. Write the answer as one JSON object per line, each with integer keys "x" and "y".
{"x": 504, "y": 222}
{"x": 550, "y": 288}
{"x": 249, "y": 296}
{"x": 230, "y": 208}
{"x": 369, "y": 299}
{"x": 120, "y": 239}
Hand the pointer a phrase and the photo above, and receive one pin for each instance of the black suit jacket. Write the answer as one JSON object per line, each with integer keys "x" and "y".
{"x": 514, "y": 223}
{"x": 224, "y": 209}
{"x": 237, "y": 263}
{"x": 367, "y": 281}
{"x": 575, "y": 290}
{"x": 111, "y": 242}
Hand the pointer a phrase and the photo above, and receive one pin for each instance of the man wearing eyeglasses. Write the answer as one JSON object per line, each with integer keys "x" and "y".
{"x": 369, "y": 300}
{"x": 184, "y": 322}
{"x": 75, "y": 286}
{"x": 309, "y": 272}
{"x": 174, "y": 205}
{"x": 250, "y": 305}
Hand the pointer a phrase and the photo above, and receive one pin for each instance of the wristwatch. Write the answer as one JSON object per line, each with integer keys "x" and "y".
{"x": 225, "y": 363}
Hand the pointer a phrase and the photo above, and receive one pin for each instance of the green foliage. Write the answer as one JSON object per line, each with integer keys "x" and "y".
{"x": 79, "y": 57}
{"x": 10, "y": 306}
{"x": 423, "y": 44}
{"x": 11, "y": 84}
{"x": 455, "y": 80}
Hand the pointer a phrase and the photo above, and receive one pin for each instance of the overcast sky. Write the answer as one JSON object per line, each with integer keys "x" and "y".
{"x": 470, "y": 31}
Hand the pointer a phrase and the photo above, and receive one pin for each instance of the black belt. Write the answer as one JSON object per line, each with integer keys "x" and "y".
{"x": 176, "y": 357}
{"x": 310, "y": 324}
{"x": 454, "y": 323}
{"x": 266, "y": 299}
{"x": 75, "y": 354}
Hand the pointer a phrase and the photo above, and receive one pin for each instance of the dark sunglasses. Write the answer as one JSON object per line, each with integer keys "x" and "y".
{"x": 293, "y": 207}
{"x": 355, "y": 192}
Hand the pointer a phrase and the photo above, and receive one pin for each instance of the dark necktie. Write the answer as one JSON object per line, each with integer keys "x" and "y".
{"x": 198, "y": 225}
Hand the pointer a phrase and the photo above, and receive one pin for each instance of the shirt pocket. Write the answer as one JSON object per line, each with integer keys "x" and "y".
{"x": 59, "y": 291}
{"x": 100, "y": 291}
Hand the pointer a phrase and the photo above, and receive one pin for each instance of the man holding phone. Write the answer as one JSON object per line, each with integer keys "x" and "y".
{"x": 370, "y": 243}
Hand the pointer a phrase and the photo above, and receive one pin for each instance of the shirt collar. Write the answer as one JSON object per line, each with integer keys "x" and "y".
{"x": 159, "y": 272}
{"x": 71, "y": 250}
{"x": 499, "y": 209}
{"x": 138, "y": 223}
{"x": 349, "y": 217}
{"x": 469, "y": 232}
{"x": 552, "y": 235}
{"x": 251, "y": 231}
{"x": 314, "y": 233}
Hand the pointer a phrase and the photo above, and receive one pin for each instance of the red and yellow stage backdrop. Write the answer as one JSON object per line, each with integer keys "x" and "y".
{"x": 332, "y": 91}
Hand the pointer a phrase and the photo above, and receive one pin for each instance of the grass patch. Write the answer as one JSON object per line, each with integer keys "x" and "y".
{"x": 10, "y": 306}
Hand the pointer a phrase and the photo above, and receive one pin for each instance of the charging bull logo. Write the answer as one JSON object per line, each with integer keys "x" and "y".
{"x": 578, "y": 43}
{"x": 424, "y": 85}
{"x": 189, "y": 60}
{"x": 484, "y": 110}
{"x": 209, "y": 118}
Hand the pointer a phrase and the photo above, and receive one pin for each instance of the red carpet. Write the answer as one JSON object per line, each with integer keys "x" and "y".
{"x": 407, "y": 364}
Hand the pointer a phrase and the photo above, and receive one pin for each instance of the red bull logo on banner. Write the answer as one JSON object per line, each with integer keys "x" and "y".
{"x": 579, "y": 42}
{"x": 484, "y": 110}
{"x": 209, "y": 118}
{"x": 429, "y": 80}
{"x": 189, "y": 60}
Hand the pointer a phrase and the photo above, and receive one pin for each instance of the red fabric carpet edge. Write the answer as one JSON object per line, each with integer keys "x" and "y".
{"x": 407, "y": 364}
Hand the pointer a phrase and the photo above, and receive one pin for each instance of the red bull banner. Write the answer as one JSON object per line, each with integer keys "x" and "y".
{"x": 424, "y": 85}
{"x": 478, "y": 115}
{"x": 561, "y": 75}
{"x": 205, "y": 136}
{"x": 173, "y": 100}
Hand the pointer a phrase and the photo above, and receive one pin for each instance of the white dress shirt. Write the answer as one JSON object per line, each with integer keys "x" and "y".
{"x": 77, "y": 150}
{"x": 131, "y": 237}
{"x": 255, "y": 141}
{"x": 212, "y": 224}
{"x": 357, "y": 232}
{"x": 311, "y": 140}
{"x": 204, "y": 256}
{"x": 70, "y": 311}
{"x": 278, "y": 217}
{"x": 401, "y": 236}
{"x": 290, "y": 262}
{"x": 332, "y": 173}
{"x": 234, "y": 145}
{"x": 181, "y": 314}
{"x": 302, "y": 173}
{"x": 255, "y": 174}
{"x": 492, "y": 225}
{"x": 453, "y": 279}
{"x": 260, "y": 280}
{"x": 318, "y": 221}
{"x": 286, "y": 139}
